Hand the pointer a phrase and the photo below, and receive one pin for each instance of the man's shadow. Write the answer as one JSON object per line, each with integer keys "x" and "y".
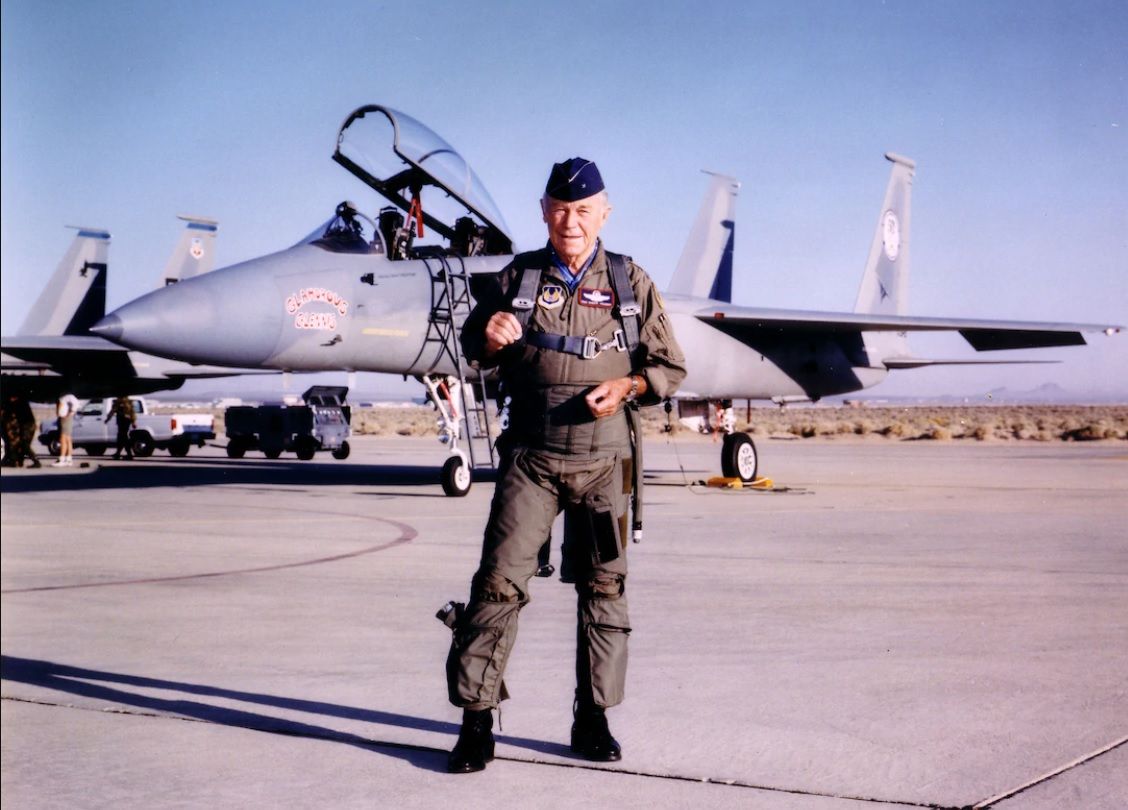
{"x": 92, "y": 684}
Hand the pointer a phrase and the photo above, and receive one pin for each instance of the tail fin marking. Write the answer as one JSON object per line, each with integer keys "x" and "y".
{"x": 194, "y": 254}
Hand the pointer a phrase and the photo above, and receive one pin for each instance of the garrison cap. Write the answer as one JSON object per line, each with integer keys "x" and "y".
{"x": 574, "y": 179}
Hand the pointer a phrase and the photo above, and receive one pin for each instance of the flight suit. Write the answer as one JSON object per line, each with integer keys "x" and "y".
{"x": 556, "y": 454}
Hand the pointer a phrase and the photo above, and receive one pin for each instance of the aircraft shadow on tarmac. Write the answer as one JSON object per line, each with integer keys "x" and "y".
{"x": 95, "y": 684}
{"x": 147, "y": 473}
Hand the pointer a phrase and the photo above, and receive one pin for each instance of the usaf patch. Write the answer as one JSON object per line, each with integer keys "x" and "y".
{"x": 594, "y": 297}
{"x": 551, "y": 296}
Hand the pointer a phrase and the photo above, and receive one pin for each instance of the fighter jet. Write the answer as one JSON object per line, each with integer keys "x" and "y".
{"x": 54, "y": 352}
{"x": 363, "y": 294}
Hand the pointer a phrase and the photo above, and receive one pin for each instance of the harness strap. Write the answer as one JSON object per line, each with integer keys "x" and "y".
{"x": 526, "y": 297}
{"x": 630, "y": 314}
{"x": 584, "y": 346}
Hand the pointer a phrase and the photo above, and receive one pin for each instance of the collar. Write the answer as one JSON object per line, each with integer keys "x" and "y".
{"x": 572, "y": 280}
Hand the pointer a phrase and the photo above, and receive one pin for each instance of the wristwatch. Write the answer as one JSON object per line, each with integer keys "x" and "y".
{"x": 632, "y": 395}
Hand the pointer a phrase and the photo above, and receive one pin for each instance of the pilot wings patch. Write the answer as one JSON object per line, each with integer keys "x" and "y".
{"x": 594, "y": 297}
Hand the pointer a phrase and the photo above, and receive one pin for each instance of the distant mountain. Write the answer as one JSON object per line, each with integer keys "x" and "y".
{"x": 1045, "y": 394}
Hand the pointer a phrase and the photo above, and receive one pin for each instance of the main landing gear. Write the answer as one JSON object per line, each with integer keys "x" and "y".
{"x": 739, "y": 458}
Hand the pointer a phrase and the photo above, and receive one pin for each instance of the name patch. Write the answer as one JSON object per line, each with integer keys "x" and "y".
{"x": 595, "y": 297}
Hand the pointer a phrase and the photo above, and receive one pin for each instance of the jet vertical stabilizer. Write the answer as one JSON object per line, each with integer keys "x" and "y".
{"x": 885, "y": 281}
{"x": 705, "y": 267}
{"x": 195, "y": 252}
{"x": 75, "y": 296}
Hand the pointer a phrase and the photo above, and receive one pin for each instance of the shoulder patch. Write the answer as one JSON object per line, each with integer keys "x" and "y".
{"x": 551, "y": 295}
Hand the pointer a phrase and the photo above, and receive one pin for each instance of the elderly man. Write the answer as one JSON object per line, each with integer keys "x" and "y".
{"x": 579, "y": 335}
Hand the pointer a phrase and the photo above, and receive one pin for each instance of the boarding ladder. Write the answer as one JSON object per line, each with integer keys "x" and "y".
{"x": 461, "y": 398}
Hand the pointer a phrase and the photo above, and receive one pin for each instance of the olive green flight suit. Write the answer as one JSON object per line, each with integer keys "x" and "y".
{"x": 555, "y": 454}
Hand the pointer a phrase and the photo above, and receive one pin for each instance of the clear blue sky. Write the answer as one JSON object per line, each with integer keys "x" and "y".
{"x": 121, "y": 115}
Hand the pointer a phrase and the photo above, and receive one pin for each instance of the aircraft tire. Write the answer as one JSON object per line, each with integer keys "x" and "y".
{"x": 739, "y": 458}
{"x": 456, "y": 477}
{"x": 342, "y": 452}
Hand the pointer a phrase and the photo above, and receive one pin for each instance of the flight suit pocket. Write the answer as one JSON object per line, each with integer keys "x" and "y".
{"x": 602, "y": 526}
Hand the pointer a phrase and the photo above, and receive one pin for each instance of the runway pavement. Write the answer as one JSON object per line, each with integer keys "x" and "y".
{"x": 899, "y": 624}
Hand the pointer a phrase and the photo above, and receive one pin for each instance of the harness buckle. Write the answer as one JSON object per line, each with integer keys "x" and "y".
{"x": 629, "y": 310}
{"x": 593, "y": 348}
{"x": 523, "y": 303}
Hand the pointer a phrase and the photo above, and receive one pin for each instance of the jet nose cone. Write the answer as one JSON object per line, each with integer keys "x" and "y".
{"x": 231, "y": 317}
{"x": 110, "y": 327}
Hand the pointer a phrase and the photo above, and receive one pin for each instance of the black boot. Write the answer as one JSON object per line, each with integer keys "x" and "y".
{"x": 475, "y": 746}
{"x": 591, "y": 738}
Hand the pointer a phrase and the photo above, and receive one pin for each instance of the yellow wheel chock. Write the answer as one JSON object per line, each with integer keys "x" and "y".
{"x": 722, "y": 482}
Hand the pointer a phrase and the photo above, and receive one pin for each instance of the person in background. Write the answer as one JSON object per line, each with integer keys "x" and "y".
{"x": 122, "y": 411}
{"x": 65, "y": 409}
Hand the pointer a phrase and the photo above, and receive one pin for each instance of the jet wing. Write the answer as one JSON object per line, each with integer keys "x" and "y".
{"x": 78, "y": 354}
{"x": 921, "y": 362}
{"x": 23, "y": 345}
{"x": 92, "y": 357}
{"x": 983, "y": 335}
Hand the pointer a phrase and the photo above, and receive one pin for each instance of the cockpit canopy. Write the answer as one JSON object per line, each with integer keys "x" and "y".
{"x": 423, "y": 176}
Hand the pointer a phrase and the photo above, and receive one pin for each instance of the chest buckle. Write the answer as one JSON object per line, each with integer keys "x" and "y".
{"x": 593, "y": 348}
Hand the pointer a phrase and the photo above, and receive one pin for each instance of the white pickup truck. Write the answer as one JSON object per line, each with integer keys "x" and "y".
{"x": 175, "y": 432}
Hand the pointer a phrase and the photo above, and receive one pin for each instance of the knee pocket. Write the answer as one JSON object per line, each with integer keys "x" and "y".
{"x": 493, "y": 587}
{"x": 604, "y": 586}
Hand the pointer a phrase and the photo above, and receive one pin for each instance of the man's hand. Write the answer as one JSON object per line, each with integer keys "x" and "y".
{"x": 502, "y": 329}
{"x": 605, "y": 398}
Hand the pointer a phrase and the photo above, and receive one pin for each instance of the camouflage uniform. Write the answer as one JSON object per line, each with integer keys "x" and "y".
{"x": 125, "y": 418}
{"x": 13, "y": 457}
{"x": 19, "y": 432}
{"x": 556, "y": 455}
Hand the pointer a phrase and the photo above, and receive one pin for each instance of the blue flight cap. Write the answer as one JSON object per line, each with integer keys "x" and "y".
{"x": 574, "y": 179}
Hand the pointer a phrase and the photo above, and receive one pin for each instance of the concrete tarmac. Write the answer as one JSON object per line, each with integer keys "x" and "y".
{"x": 899, "y": 624}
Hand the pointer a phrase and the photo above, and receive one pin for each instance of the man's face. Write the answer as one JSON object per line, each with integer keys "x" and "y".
{"x": 573, "y": 227}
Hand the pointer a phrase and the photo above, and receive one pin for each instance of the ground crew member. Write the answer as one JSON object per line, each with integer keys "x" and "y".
{"x": 19, "y": 432}
{"x": 126, "y": 417}
{"x": 576, "y": 333}
{"x": 11, "y": 431}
